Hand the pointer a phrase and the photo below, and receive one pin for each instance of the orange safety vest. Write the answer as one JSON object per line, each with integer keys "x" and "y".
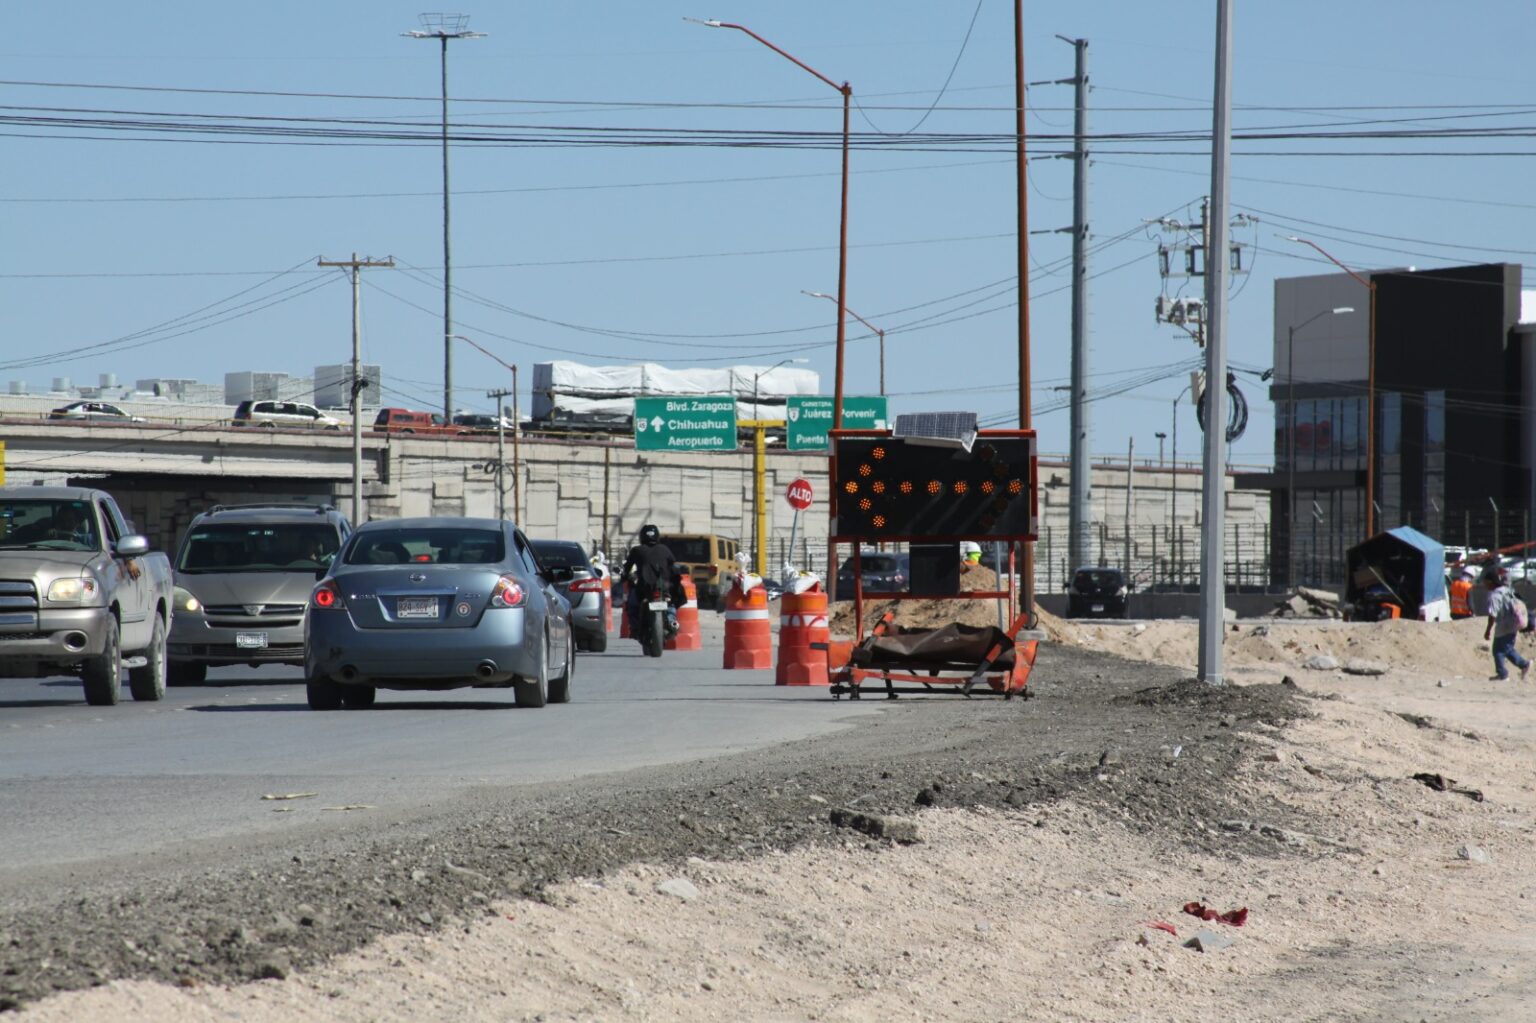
{"x": 1461, "y": 599}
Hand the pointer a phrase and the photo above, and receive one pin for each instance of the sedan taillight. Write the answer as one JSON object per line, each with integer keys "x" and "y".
{"x": 592, "y": 585}
{"x": 507, "y": 592}
{"x": 327, "y": 597}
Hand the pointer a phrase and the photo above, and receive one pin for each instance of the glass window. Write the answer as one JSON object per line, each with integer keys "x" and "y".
{"x": 560, "y": 554}
{"x": 694, "y": 550}
{"x": 61, "y": 525}
{"x": 427, "y": 545}
{"x": 258, "y": 547}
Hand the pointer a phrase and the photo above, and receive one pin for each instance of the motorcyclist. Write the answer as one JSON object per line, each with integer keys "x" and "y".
{"x": 649, "y": 567}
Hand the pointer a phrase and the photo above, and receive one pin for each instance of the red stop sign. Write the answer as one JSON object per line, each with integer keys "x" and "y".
{"x": 799, "y": 494}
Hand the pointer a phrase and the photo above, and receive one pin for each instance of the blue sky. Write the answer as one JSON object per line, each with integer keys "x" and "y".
{"x": 198, "y": 249}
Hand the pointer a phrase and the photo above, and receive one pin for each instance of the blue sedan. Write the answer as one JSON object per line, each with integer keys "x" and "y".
{"x": 437, "y": 603}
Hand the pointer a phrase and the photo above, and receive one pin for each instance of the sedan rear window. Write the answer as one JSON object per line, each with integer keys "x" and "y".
{"x": 427, "y": 546}
{"x": 560, "y": 554}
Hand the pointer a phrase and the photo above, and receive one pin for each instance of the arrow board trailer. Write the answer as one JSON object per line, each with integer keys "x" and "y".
{"x": 892, "y": 489}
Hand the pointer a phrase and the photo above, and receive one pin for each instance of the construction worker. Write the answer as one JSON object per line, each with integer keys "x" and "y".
{"x": 1461, "y": 595}
{"x": 970, "y": 555}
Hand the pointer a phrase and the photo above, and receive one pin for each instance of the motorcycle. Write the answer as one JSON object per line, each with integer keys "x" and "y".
{"x": 655, "y": 621}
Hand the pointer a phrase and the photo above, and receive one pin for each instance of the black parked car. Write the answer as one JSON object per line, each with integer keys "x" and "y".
{"x": 882, "y": 572}
{"x": 1097, "y": 593}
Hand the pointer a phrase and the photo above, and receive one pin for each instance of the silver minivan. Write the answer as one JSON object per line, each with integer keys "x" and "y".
{"x": 243, "y": 577}
{"x": 293, "y": 414}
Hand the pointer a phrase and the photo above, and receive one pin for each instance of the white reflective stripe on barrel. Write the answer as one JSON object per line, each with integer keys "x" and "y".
{"x": 754, "y": 614}
{"x": 693, "y": 604}
{"x": 793, "y": 621}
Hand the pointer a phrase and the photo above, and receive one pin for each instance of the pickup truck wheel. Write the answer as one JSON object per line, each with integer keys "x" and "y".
{"x": 323, "y": 694}
{"x": 148, "y": 683}
{"x": 187, "y": 673}
{"x": 103, "y": 674}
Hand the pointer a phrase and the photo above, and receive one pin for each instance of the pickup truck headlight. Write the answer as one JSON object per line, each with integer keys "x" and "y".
{"x": 184, "y": 601}
{"x": 72, "y": 591}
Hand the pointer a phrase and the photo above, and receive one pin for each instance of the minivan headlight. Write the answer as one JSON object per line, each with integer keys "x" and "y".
{"x": 184, "y": 601}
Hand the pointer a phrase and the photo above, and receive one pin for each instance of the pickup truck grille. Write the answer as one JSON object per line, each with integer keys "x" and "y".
{"x": 18, "y": 606}
{"x": 254, "y": 614}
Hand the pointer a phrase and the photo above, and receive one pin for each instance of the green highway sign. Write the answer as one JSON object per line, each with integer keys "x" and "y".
{"x": 686, "y": 423}
{"x": 809, "y": 418}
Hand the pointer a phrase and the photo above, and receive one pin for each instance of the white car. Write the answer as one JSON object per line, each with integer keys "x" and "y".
{"x": 284, "y": 413}
{"x": 94, "y": 410}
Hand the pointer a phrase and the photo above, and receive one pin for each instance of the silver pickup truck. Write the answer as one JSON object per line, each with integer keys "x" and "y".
{"x": 81, "y": 593}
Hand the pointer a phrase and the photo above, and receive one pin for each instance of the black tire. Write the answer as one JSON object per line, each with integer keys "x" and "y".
{"x": 323, "y": 694}
{"x": 358, "y": 697}
{"x": 148, "y": 683}
{"x": 560, "y": 688}
{"x": 267, "y": 424}
{"x": 186, "y": 673}
{"x": 655, "y": 633}
{"x": 534, "y": 692}
{"x": 598, "y": 643}
{"x": 103, "y": 674}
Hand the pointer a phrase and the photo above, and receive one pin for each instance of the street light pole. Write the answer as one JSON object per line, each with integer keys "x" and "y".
{"x": 1290, "y": 458}
{"x": 444, "y": 27}
{"x": 846, "y": 91}
{"x": 1370, "y": 385}
{"x": 878, "y": 332}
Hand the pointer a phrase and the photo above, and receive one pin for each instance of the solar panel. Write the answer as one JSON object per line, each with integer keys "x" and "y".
{"x": 937, "y": 429}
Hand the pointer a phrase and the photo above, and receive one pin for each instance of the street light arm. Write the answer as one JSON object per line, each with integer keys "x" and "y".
{"x": 850, "y": 312}
{"x": 1328, "y": 256}
{"x": 482, "y": 349}
{"x": 844, "y": 88}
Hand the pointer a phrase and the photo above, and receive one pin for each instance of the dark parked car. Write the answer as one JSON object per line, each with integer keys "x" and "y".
{"x": 882, "y": 573}
{"x": 1097, "y": 593}
{"x": 437, "y": 603}
{"x": 584, "y": 591}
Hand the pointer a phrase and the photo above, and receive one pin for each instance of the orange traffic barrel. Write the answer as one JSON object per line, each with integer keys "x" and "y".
{"x": 748, "y": 635}
{"x": 688, "y": 635}
{"x": 803, "y": 639}
{"x": 624, "y": 614}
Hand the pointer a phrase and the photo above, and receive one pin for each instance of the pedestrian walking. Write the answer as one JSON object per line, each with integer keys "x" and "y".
{"x": 1507, "y": 617}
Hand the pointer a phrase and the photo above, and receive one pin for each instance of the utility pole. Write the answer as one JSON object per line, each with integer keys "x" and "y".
{"x": 1080, "y": 506}
{"x": 444, "y": 27}
{"x": 501, "y": 455}
{"x": 1026, "y": 380}
{"x": 356, "y": 384}
{"x": 1213, "y": 466}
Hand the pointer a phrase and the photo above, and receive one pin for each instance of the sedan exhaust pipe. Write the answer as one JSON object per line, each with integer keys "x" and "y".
{"x": 484, "y": 670}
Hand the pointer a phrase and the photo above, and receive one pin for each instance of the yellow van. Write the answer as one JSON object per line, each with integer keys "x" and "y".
{"x": 710, "y": 559}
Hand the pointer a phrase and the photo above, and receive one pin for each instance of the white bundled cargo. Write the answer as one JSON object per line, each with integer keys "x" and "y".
{"x": 574, "y": 394}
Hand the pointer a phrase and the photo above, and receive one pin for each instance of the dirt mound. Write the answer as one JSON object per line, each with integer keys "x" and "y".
{"x": 1427, "y": 648}
{"x": 929, "y": 614}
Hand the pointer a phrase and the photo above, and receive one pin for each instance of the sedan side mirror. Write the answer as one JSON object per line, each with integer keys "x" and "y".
{"x": 132, "y": 546}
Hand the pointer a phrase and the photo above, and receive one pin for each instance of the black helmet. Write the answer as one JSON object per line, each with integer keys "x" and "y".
{"x": 1491, "y": 574}
{"x": 650, "y": 535}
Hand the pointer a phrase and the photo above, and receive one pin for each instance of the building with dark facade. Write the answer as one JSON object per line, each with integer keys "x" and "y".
{"x": 1454, "y": 387}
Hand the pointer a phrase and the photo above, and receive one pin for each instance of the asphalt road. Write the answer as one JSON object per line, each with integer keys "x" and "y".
{"x": 83, "y": 788}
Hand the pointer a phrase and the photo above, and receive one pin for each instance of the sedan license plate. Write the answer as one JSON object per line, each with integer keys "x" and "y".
{"x": 250, "y": 640}
{"x": 658, "y": 605}
{"x": 416, "y": 607}
{"x": 1098, "y": 607}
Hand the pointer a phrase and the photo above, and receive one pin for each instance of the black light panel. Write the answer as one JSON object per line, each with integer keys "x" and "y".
{"x": 887, "y": 487}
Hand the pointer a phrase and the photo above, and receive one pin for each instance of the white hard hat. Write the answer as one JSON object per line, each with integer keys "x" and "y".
{"x": 969, "y": 547}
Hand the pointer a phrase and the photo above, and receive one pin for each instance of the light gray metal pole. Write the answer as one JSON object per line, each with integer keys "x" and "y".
{"x": 447, "y": 257}
{"x": 1080, "y": 499}
{"x": 1213, "y": 587}
{"x": 501, "y": 457}
{"x": 1130, "y": 501}
{"x": 357, "y": 400}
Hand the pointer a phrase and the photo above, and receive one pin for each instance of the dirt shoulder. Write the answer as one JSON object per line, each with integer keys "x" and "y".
{"x": 1053, "y": 833}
